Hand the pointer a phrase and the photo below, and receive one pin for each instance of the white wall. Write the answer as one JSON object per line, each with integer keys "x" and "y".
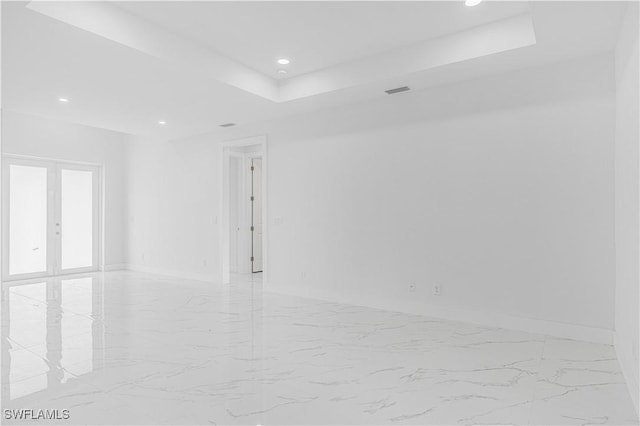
{"x": 499, "y": 189}
{"x": 30, "y": 135}
{"x": 627, "y": 199}
{"x": 510, "y": 210}
{"x": 173, "y": 202}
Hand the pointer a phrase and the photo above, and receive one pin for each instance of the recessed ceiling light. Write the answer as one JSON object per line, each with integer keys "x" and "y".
{"x": 472, "y": 2}
{"x": 162, "y": 122}
{"x": 63, "y": 99}
{"x": 284, "y": 61}
{"x": 282, "y": 71}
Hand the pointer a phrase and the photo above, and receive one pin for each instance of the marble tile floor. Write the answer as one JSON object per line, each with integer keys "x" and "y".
{"x": 131, "y": 348}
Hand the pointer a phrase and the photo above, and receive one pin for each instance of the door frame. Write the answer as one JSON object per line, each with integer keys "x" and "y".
{"x": 226, "y": 150}
{"x": 53, "y": 166}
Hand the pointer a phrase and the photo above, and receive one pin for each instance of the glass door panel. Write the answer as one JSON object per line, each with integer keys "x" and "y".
{"x": 28, "y": 217}
{"x": 77, "y": 218}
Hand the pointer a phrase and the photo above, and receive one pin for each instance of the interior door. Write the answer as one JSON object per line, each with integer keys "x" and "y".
{"x": 50, "y": 218}
{"x": 256, "y": 215}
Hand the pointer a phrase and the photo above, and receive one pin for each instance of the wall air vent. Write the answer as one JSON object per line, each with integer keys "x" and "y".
{"x": 228, "y": 125}
{"x": 397, "y": 90}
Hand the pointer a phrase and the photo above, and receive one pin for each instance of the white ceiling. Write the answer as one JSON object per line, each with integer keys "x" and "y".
{"x": 116, "y": 86}
{"x": 314, "y": 35}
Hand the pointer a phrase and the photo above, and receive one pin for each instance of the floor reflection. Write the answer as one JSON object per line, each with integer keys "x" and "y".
{"x": 177, "y": 351}
{"x": 51, "y": 330}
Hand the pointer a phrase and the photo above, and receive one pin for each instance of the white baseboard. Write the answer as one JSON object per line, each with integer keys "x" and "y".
{"x": 623, "y": 353}
{"x": 114, "y": 267}
{"x": 489, "y": 319}
{"x": 170, "y": 273}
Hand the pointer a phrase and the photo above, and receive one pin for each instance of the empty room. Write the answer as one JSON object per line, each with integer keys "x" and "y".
{"x": 320, "y": 212}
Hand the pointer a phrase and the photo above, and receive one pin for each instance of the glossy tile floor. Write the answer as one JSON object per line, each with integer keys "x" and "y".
{"x": 128, "y": 348}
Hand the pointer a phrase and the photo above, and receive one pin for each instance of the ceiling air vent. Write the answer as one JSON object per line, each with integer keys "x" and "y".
{"x": 397, "y": 90}
{"x": 228, "y": 125}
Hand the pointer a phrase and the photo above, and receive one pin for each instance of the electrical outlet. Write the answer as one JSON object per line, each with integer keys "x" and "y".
{"x": 303, "y": 275}
{"x": 412, "y": 287}
{"x": 437, "y": 290}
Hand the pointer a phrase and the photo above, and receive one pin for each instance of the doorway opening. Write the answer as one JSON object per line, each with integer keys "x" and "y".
{"x": 243, "y": 210}
{"x": 50, "y": 218}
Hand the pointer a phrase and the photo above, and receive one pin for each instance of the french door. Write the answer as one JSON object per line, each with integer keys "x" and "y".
{"x": 50, "y": 218}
